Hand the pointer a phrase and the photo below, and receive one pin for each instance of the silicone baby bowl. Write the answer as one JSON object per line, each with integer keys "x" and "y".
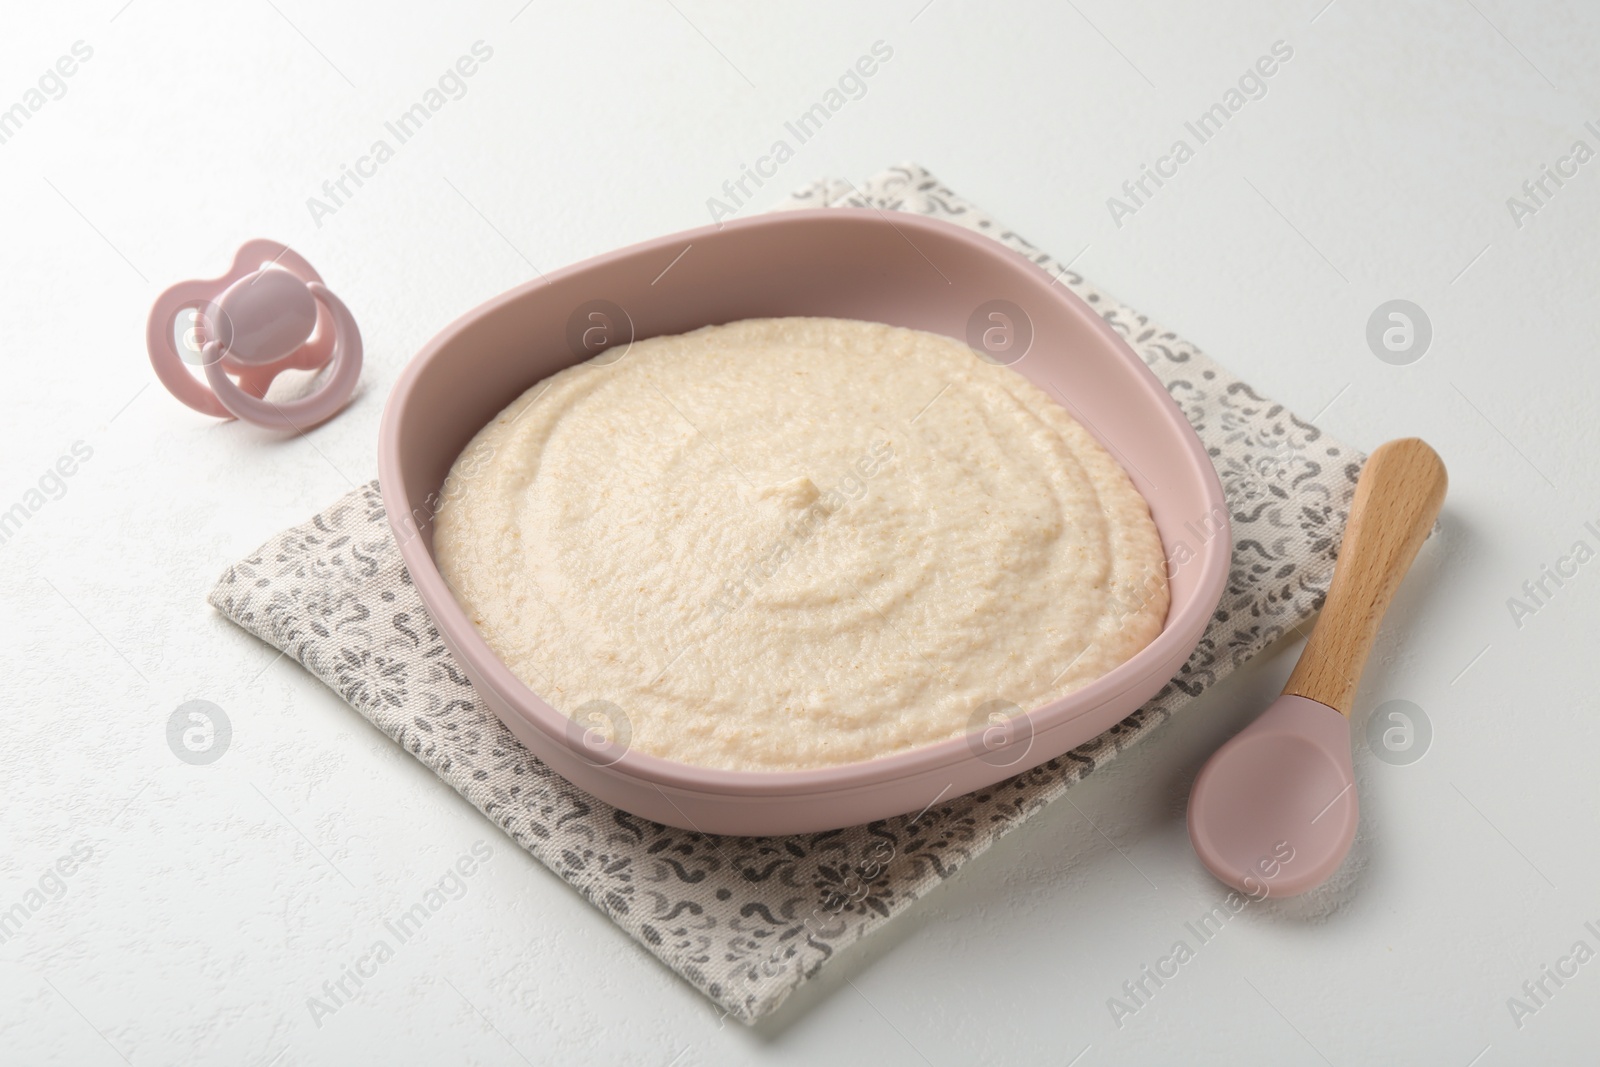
{"x": 845, "y": 263}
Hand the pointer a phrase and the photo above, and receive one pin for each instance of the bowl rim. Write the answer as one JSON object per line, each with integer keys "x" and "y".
{"x": 1212, "y": 561}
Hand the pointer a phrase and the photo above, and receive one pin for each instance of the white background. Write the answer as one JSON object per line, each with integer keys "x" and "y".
{"x": 1377, "y": 166}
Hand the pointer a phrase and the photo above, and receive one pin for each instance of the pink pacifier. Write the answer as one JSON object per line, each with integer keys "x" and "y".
{"x": 270, "y": 313}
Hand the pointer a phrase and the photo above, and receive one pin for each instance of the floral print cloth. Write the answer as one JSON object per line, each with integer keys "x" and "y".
{"x": 746, "y": 920}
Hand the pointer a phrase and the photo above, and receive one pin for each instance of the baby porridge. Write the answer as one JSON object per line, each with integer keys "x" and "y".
{"x": 794, "y": 543}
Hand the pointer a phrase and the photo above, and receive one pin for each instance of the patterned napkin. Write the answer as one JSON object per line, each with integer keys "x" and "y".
{"x": 746, "y": 920}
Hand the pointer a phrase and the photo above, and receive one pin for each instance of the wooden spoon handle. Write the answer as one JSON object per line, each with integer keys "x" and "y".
{"x": 1397, "y": 500}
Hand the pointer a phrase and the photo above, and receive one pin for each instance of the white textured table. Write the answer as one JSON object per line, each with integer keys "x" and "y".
{"x": 206, "y": 903}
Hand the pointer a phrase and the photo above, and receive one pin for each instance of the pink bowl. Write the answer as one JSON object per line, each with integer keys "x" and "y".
{"x": 903, "y": 270}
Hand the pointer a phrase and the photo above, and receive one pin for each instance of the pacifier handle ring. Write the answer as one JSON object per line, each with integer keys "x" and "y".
{"x": 343, "y": 369}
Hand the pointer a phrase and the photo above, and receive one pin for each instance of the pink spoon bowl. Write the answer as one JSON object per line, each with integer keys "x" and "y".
{"x": 905, "y": 271}
{"x": 1275, "y": 812}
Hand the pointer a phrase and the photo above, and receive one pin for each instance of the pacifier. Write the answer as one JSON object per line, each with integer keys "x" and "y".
{"x": 270, "y": 313}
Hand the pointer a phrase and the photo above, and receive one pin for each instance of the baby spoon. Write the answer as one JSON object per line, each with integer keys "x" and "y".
{"x": 1273, "y": 812}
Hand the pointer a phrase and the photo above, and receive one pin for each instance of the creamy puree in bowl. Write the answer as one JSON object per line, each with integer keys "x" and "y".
{"x": 794, "y": 543}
